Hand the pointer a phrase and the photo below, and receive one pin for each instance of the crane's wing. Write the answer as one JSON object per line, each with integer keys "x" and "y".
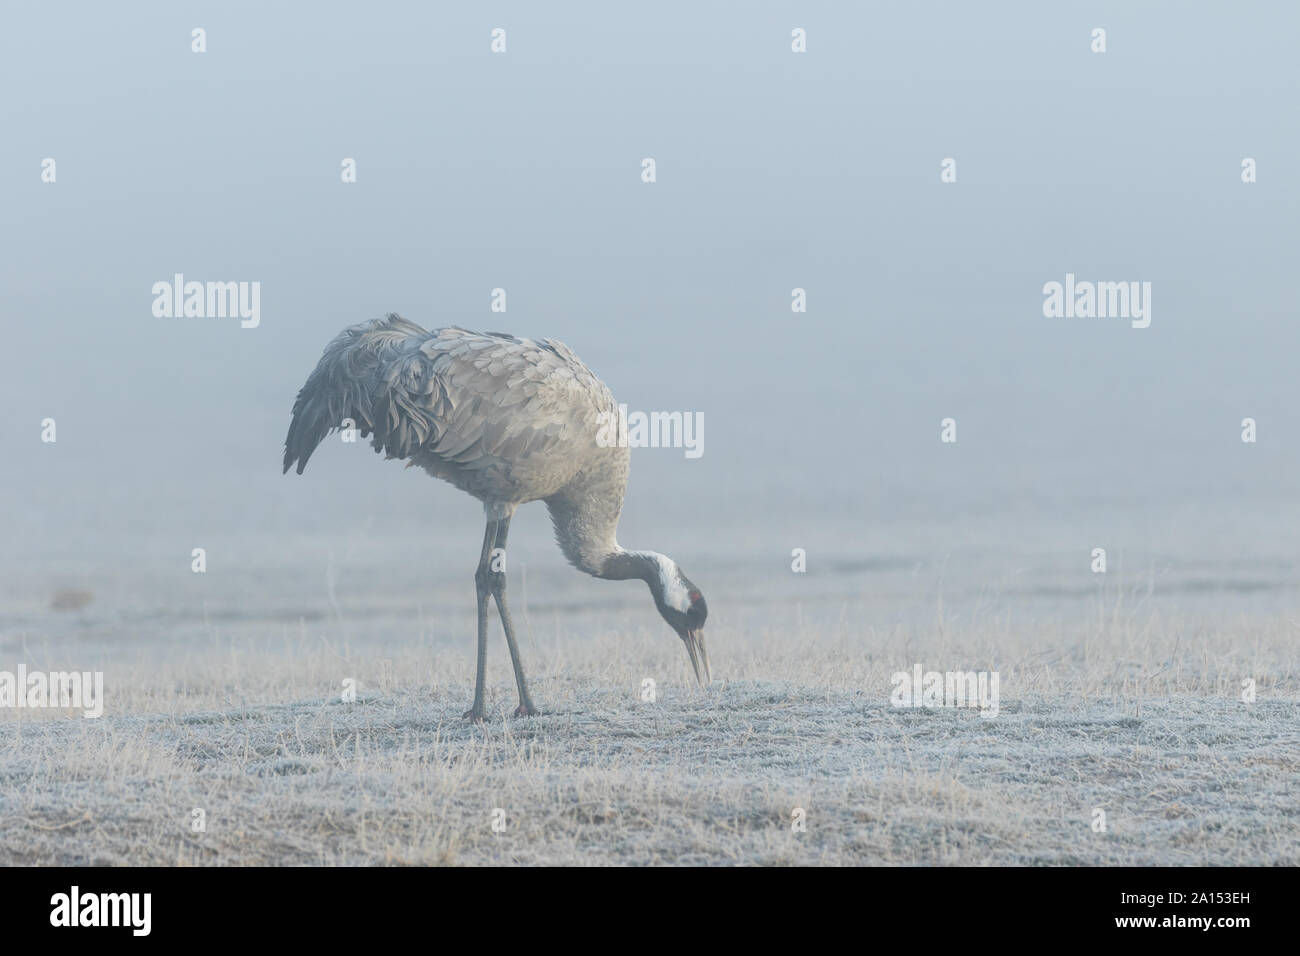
{"x": 463, "y": 396}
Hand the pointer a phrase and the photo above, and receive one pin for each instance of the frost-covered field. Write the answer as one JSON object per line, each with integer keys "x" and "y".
{"x": 735, "y": 215}
{"x": 1134, "y": 713}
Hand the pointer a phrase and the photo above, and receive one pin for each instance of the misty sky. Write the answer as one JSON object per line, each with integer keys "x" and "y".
{"x": 775, "y": 170}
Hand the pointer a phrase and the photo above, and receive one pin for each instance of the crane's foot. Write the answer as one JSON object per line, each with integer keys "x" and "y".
{"x": 474, "y": 715}
{"x": 526, "y": 710}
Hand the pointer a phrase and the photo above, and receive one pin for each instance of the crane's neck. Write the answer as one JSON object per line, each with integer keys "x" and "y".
{"x": 657, "y": 570}
{"x": 622, "y": 565}
{"x": 586, "y": 534}
{"x": 586, "y": 524}
{"x": 585, "y": 515}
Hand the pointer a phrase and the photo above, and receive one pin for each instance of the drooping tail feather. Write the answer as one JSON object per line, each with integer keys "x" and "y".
{"x": 376, "y": 375}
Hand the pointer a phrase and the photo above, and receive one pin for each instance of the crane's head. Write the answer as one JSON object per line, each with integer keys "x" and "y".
{"x": 682, "y": 605}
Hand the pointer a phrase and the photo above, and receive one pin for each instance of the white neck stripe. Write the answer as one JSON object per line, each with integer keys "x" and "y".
{"x": 675, "y": 593}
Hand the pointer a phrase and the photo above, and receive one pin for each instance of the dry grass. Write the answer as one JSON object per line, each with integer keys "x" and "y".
{"x": 1143, "y": 720}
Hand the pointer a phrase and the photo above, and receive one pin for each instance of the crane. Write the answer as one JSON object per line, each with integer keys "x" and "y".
{"x": 508, "y": 420}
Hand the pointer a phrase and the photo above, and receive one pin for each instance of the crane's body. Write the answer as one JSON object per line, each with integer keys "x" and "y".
{"x": 508, "y": 420}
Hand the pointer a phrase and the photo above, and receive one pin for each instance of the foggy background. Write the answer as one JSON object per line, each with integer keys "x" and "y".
{"x": 775, "y": 171}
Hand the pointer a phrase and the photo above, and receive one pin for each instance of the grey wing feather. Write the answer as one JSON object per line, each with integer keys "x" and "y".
{"x": 465, "y": 397}
{"x": 373, "y": 374}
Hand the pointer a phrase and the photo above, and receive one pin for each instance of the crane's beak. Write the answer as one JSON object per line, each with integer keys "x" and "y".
{"x": 694, "y": 641}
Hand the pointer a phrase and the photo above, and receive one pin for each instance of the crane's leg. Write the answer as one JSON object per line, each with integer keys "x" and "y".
{"x": 498, "y": 580}
{"x": 483, "y": 586}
